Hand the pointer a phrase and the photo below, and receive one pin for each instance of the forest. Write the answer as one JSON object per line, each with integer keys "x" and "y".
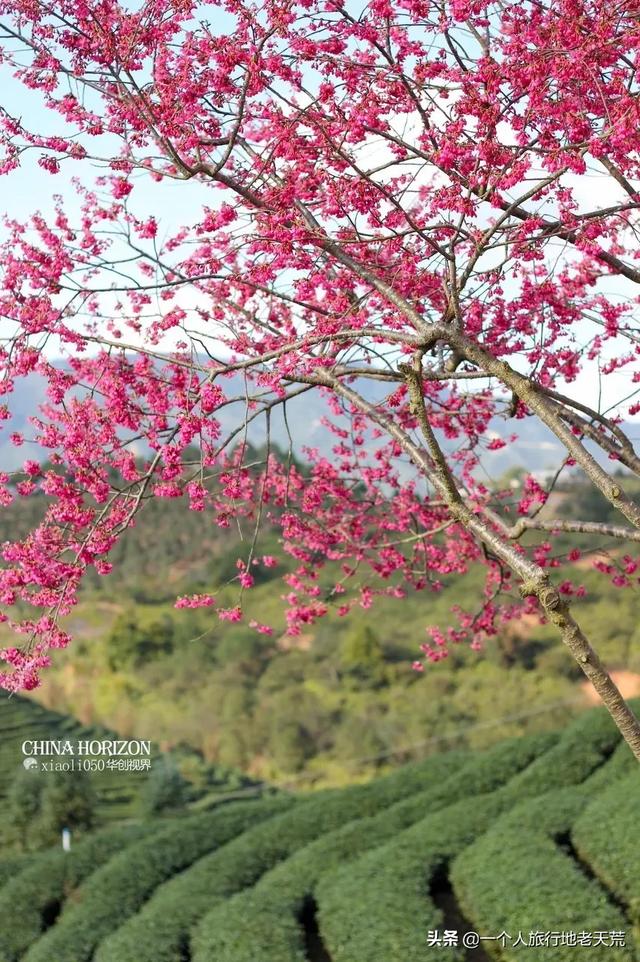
{"x": 337, "y": 702}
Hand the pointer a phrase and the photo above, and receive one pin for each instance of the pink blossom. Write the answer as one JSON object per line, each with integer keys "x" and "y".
{"x": 195, "y": 601}
{"x": 230, "y": 614}
{"x": 294, "y": 277}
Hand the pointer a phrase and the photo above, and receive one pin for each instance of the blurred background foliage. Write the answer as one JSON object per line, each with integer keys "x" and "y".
{"x": 336, "y": 703}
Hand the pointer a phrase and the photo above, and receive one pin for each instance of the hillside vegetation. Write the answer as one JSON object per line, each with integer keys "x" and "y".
{"x": 330, "y": 704}
{"x": 23, "y": 720}
{"x": 112, "y": 795}
{"x": 529, "y": 836}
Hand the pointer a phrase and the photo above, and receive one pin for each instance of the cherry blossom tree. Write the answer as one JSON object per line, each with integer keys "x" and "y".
{"x": 424, "y": 212}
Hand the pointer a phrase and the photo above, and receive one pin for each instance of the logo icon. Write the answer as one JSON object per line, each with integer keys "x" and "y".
{"x": 30, "y": 764}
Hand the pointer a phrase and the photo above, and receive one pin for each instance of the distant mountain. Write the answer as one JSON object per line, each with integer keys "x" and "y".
{"x": 536, "y": 448}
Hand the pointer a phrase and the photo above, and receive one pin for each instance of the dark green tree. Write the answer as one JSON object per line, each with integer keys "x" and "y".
{"x": 68, "y": 801}
{"x": 166, "y": 790}
{"x": 130, "y": 644}
{"x": 291, "y": 745}
{"x": 362, "y": 657}
{"x": 23, "y": 805}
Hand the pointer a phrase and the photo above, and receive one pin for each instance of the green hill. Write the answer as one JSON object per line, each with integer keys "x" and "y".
{"x": 535, "y": 835}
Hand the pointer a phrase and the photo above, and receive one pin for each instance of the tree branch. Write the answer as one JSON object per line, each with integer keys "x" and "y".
{"x": 579, "y": 527}
{"x": 535, "y": 580}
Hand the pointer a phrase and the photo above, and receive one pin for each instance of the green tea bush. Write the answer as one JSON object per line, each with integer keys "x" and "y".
{"x": 22, "y": 807}
{"x": 379, "y": 907}
{"x": 365, "y": 855}
{"x": 38, "y": 891}
{"x": 622, "y": 763}
{"x": 161, "y": 930}
{"x": 263, "y": 922}
{"x": 118, "y": 889}
{"x": 606, "y": 836}
{"x": 11, "y": 865}
{"x": 584, "y": 746}
{"x": 165, "y": 790}
{"x": 242, "y": 929}
{"x": 517, "y": 879}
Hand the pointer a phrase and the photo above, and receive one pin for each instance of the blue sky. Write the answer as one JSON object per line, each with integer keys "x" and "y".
{"x": 173, "y": 203}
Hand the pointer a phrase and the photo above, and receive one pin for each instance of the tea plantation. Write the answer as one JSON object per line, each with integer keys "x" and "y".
{"x": 119, "y": 794}
{"x": 534, "y": 838}
{"x": 24, "y": 720}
